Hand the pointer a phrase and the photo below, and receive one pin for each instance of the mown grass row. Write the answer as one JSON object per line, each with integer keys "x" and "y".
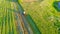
{"x": 7, "y": 19}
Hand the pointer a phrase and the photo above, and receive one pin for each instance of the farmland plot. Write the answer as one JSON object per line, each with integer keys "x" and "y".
{"x": 45, "y": 16}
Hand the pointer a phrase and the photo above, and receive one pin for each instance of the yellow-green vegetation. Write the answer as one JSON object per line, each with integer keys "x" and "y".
{"x": 45, "y": 16}
{"x": 7, "y": 17}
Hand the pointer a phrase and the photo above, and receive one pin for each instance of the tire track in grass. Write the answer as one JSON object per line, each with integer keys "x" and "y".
{"x": 27, "y": 25}
{"x": 18, "y": 23}
{"x": 20, "y": 9}
{"x": 21, "y": 24}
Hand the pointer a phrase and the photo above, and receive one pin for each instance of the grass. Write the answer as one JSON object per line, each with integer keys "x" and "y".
{"x": 7, "y": 18}
{"x": 44, "y": 15}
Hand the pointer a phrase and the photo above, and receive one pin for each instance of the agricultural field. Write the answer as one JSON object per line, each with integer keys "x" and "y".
{"x": 44, "y": 14}
{"x": 10, "y": 18}
{"x": 29, "y": 17}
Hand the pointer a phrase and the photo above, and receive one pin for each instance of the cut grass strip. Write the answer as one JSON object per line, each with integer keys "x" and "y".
{"x": 32, "y": 24}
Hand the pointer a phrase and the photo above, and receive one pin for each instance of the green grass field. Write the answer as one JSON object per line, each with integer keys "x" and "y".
{"x": 45, "y": 16}
{"x": 7, "y": 18}
{"x": 43, "y": 13}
